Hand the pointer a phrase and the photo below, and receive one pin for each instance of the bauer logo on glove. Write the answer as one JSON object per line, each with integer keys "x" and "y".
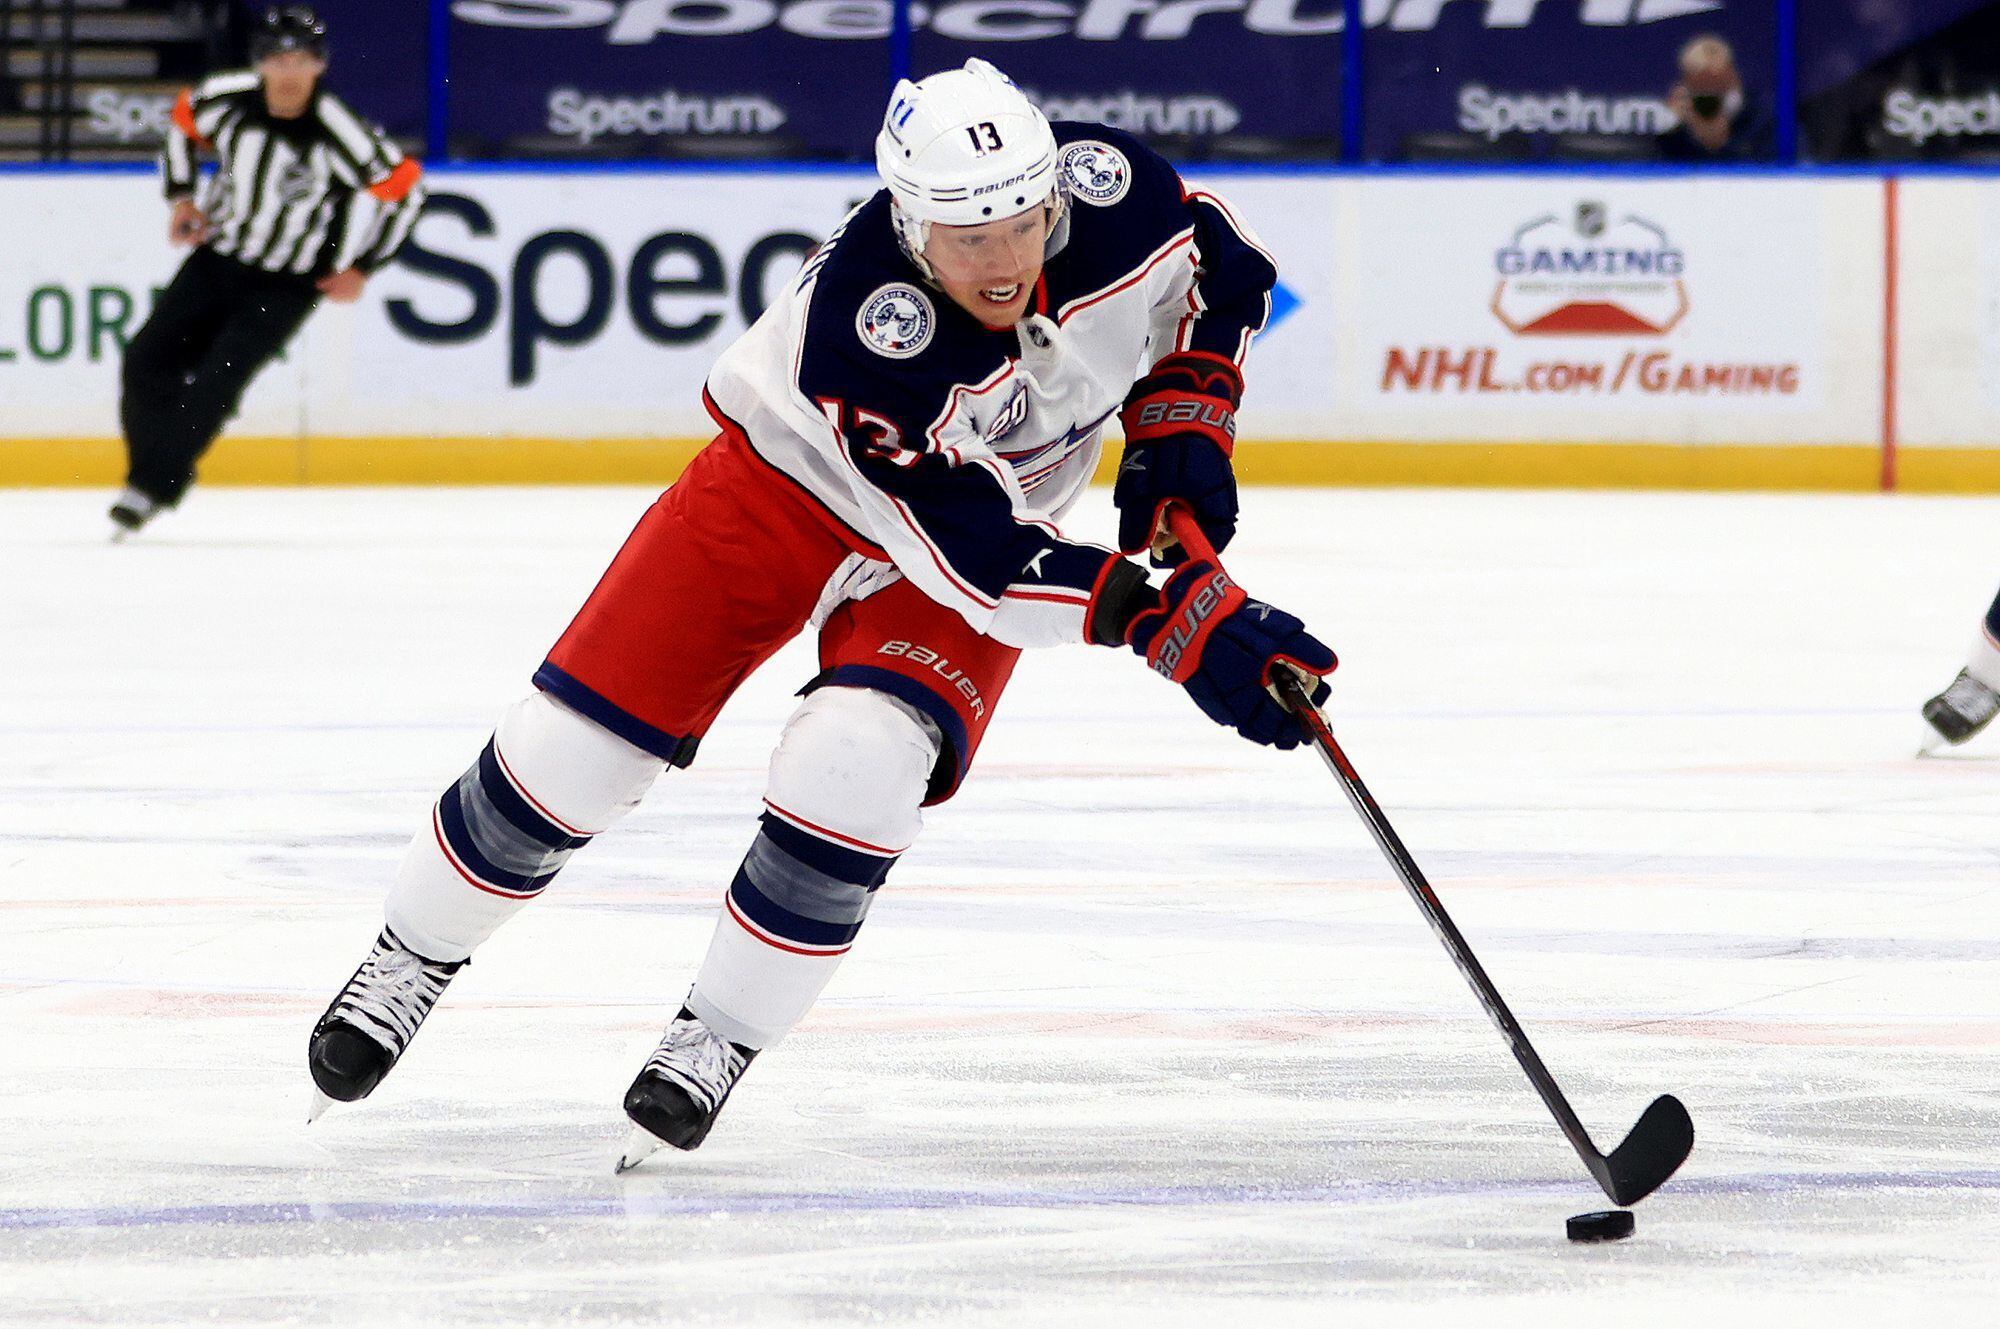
{"x": 1180, "y": 433}
{"x": 1167, "y": 413}
{"x": 1171, "y": 647}
{"x": 1224, "y": 648}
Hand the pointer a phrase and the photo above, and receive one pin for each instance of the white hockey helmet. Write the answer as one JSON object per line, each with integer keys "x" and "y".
{"x": 963, "y": 147}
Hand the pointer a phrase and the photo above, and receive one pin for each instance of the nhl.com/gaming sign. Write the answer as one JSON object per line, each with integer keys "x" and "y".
{"x": 1590, "y": 275}
{"x": 1595, "y": 299}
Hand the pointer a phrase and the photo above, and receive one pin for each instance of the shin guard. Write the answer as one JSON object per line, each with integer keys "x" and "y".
{"x": 1983, "y": 661}
{"x": 846, "y": 786}
{"x": 546, "y": 783}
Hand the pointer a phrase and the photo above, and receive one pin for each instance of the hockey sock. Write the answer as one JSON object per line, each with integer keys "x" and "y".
{"x": 847, "y": 782}
{"x": 1984, "y": 661}
{"x": 547, "y": 782}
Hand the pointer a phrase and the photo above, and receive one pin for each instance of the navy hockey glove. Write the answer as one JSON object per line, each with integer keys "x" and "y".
{"x": 1180, "y": 432}
{"x": 1207, "y": 635}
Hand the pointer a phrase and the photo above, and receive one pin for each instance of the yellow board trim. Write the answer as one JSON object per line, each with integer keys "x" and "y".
{"x": 656, "y": 461}
{"x": 1948, "y": 471}
{"x": 1561, "y": 465}
{"x": 412, "y": 460}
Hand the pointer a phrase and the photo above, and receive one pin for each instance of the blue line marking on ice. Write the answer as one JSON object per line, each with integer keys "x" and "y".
{"x": 675, "y": 1203}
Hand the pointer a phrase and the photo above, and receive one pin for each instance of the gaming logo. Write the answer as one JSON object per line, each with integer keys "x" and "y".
{"x": 1096, "y": 173}
{"x": 896, "y": 321}
{"x": 1596, "y": 274}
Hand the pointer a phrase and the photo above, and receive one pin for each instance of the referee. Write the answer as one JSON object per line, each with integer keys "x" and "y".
{"x": 307, "y": 201}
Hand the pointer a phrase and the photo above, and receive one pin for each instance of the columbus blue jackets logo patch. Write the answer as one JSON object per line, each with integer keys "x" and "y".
{"x": 1096, "y": 172}
{"x": 896, "y": 321}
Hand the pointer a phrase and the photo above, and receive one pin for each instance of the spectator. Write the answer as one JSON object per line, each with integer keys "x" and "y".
{"x": 1715, "y": 125}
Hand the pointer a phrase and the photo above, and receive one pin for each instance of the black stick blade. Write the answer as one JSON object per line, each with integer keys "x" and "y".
{"x": 1654, "y": 1150}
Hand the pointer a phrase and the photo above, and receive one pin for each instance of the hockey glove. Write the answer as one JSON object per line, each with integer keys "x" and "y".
{"x": 1180, "y": 432}
{"x": 1222, "y": 646}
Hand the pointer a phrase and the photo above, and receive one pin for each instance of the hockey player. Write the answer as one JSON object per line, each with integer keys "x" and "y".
{"x": 899, "y": 435}
{"x": 1973, "y": 699}
{"x": 307, "y": 201}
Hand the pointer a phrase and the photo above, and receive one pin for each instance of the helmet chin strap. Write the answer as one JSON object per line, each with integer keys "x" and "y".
{"x": 913, "y": 234}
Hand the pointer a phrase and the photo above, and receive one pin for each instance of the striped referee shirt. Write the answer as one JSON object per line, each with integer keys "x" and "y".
{"x": 311, "y": 195}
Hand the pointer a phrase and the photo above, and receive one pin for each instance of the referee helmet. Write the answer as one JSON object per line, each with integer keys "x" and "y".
{"x": 288, "y": 28}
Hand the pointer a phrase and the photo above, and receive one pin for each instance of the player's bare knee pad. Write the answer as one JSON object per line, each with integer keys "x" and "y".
{"x": 547, "y": 781}
{"x": 578, "y": 773}
{"x": 855, "y": 763}
{"x": 845, "y": 797}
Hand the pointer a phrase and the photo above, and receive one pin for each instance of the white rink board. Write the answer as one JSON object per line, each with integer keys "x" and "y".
{"x": 649, "y": 270}
{"x": 676, "y": 256}
{"x": 1763, "y": 299}
{"x": 449, "y": 350}
{"x": 1141, "y": 1032}
{"x": 570, "y": 305}
{"x": 84, "y": 255}
{"x": 1949, "y": 374}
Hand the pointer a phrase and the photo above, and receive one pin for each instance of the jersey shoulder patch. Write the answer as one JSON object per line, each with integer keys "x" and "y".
{"x": 1105, "y": 167}
{"x": 1095, "y": 172}
{"x": 1128, "y": 206}
{"x": 876, "y": 335}
{"x": 897, "y": 320}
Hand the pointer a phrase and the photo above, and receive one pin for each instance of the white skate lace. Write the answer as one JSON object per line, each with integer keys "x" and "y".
{"x": 391, "y": 993}
{"x": 699, "y": 1061}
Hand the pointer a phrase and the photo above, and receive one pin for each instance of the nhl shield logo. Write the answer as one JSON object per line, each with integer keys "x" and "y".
{"x": 1095, "y": 172}
{"x": 296, "y": 181}
{"x": 896, "y": 321}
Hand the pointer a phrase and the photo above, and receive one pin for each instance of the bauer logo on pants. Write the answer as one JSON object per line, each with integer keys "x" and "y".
{"x": 948, "y": 673}
{"x": 897, "y": 321}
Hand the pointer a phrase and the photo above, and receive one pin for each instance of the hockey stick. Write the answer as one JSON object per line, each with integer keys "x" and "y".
{"x": 1660, "y": 1142}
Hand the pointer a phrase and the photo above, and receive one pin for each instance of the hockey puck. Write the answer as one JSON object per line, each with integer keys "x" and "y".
{"x": 1606, "y": 1225}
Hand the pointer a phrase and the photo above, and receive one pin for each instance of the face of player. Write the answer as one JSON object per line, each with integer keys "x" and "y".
{"x": 990, "y": 270}
{"x": 289, "y": 77}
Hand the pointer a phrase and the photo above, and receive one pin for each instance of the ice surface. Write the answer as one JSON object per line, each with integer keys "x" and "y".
{"x": 1142, "y": 1032}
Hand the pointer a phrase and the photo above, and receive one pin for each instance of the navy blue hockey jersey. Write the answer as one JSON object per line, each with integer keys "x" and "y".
{"x": 955, "y": 448}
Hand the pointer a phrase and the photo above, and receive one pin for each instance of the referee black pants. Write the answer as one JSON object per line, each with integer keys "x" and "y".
{"x": 217, "y": 323}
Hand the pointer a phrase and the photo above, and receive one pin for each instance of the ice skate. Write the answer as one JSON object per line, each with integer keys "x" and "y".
{"x": 372, "y": 1021}
{"x": 130, "y": 512}
{"x": 1959, "y": 712}
{"x": 683, "y": 1086}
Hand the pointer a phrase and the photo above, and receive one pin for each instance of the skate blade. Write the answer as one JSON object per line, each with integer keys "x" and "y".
{"x": 640, "y": 1145}
{"x": 120, "y": 534}
{"x": 1933, "y": 743}
{"x": 320, "y": 1103}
